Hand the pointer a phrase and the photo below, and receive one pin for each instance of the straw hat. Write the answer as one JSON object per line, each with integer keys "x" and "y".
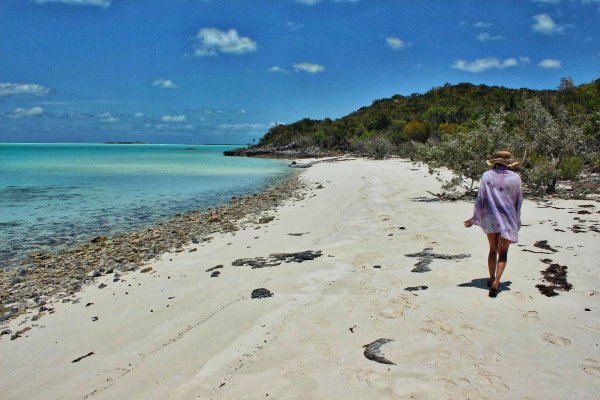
{"x": 502, "y": 157}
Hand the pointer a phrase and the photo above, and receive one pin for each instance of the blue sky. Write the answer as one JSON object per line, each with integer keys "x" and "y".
{"x": 223, "y": 71}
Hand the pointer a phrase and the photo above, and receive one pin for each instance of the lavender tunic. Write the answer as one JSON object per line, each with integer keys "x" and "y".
{"x": 498, "y": 205}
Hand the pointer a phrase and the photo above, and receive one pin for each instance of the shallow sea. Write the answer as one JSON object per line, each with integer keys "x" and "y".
{"x": 54, "y": 196}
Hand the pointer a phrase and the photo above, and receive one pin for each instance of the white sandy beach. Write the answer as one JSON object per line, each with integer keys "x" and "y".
{"x": 177, "y": 333}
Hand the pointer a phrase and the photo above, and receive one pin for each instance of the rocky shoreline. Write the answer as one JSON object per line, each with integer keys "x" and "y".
{"x": 291, "y": 151}
{"x": 43, "y": 278}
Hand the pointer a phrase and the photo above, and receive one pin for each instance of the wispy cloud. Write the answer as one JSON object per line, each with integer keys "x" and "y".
{"x": 23, "y": 89}
{"x": 99, "y": 3}
{"x": 395, "y": 43}
{"x": 211, "y": 41}
{"x": 547, "y": 1}
{"x": 278, "y": 69}
{"x": 26, "y": 112}
{"x": 486, "y": 37}
{"x": 550, "y": 63}
{"x": 239, "y": 127}
{"x": 138, "y": 114}
{"x": 484, "y": 64}
{"x": 545, "y": 25}
{"x": 164, "y": 83}
{"x": 483, "y": 25}
{"x": 173, "y": 118}
{"x": 107, "y": 117}
{"x": 309, "y": 67}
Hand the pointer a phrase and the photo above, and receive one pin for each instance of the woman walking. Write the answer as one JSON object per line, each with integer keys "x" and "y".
{"x": 497, "y": 211}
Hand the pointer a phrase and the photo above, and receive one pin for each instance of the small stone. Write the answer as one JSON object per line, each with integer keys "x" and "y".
{"x": 147, "y": 269}
{"x": 101, "y": 286}
{"x": 215, "y": 274}
{"x": 95, "y": 273}
{"x": 261, "y": 293}
{"x": 193, "y": 249}
{"x": 377, "y": 266}
{"x": 587, "y": 309}
{"x": 99, "y": 239}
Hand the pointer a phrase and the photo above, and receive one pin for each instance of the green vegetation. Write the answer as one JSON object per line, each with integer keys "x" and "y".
{"x": 554, "y": 133}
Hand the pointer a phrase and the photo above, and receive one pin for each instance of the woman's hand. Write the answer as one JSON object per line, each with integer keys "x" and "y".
{"x": 468, "y": 223}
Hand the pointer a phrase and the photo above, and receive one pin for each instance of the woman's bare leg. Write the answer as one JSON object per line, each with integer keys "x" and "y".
{"x": 493, "y": 254}
{"x": 503, "y": 245}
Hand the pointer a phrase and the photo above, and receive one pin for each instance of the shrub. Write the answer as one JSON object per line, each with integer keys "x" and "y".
{"x": 570, "y": 168}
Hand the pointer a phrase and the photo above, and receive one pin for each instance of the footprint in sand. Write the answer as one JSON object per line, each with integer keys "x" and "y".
{"x": 494, "y": 381}
{"x": 437, "y": 327}
{"x": 371, "y": 378}
{"x": 557, "y": 340}
{"x": 391, "y": 312}
{"x": 591, "y": 366}
{"x": 531, "y": 316}
{"x": 522, "y": 296}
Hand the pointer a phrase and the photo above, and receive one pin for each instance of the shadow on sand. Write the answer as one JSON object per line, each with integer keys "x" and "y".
{"x": 481, "y": 283}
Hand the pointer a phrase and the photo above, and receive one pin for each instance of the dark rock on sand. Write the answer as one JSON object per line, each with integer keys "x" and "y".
{"x": 99, "y": 239}
{"x": 214, "y": 268}
{"x": 276, "y": 259}
{"x": 215, "y": 274}
{"x": 416, "y": 288}
{"x": 543, "y": 244}
{"x": 427, "y": 256}
{"x": 373, "y": 351}
{"x": 261, "y": 293}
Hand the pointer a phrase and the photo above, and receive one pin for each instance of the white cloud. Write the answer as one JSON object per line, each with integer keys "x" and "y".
{"x": 212, "y": 41}
{"x": 173, "y": 118}
{"x": 544, "y": 24}
{"x": 242, "y": 111}
{"x": 277, "y": 68}
{"x": 164, "y": 83}
{"x": 23, "y": 89}
{"x": 524, "y": 60}
{"x": 239, "y": 127}
{"x": 99, "y": 3}
{"x": 26, "y": 112}
{"x": 548, "y": 1}
{"x": 483, "y": 25}
{"x": 138, "y": 114}
{"x": 309, "y": 67}
{"x": 107, "y": 117}
{"x": 549, "y": 63}
{"x": 395, "y": 43}
{"x": 483, "y": 64}
{"x": 486, "y": 37}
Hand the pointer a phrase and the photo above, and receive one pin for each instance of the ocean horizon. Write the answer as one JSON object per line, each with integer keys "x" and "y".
{"x": 54, "y": 196}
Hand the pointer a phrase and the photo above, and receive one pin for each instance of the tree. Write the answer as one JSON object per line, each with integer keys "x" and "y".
{"x": 544, "y": 141}
{"x": 416, "y": 130}
{"x": 464, "y": 152}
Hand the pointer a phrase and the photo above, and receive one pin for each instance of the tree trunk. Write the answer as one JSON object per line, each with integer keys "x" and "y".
{"x": 551, "y": 188}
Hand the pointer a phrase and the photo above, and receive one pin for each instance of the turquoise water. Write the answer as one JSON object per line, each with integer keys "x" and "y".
{"x": 53, "y": 196}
